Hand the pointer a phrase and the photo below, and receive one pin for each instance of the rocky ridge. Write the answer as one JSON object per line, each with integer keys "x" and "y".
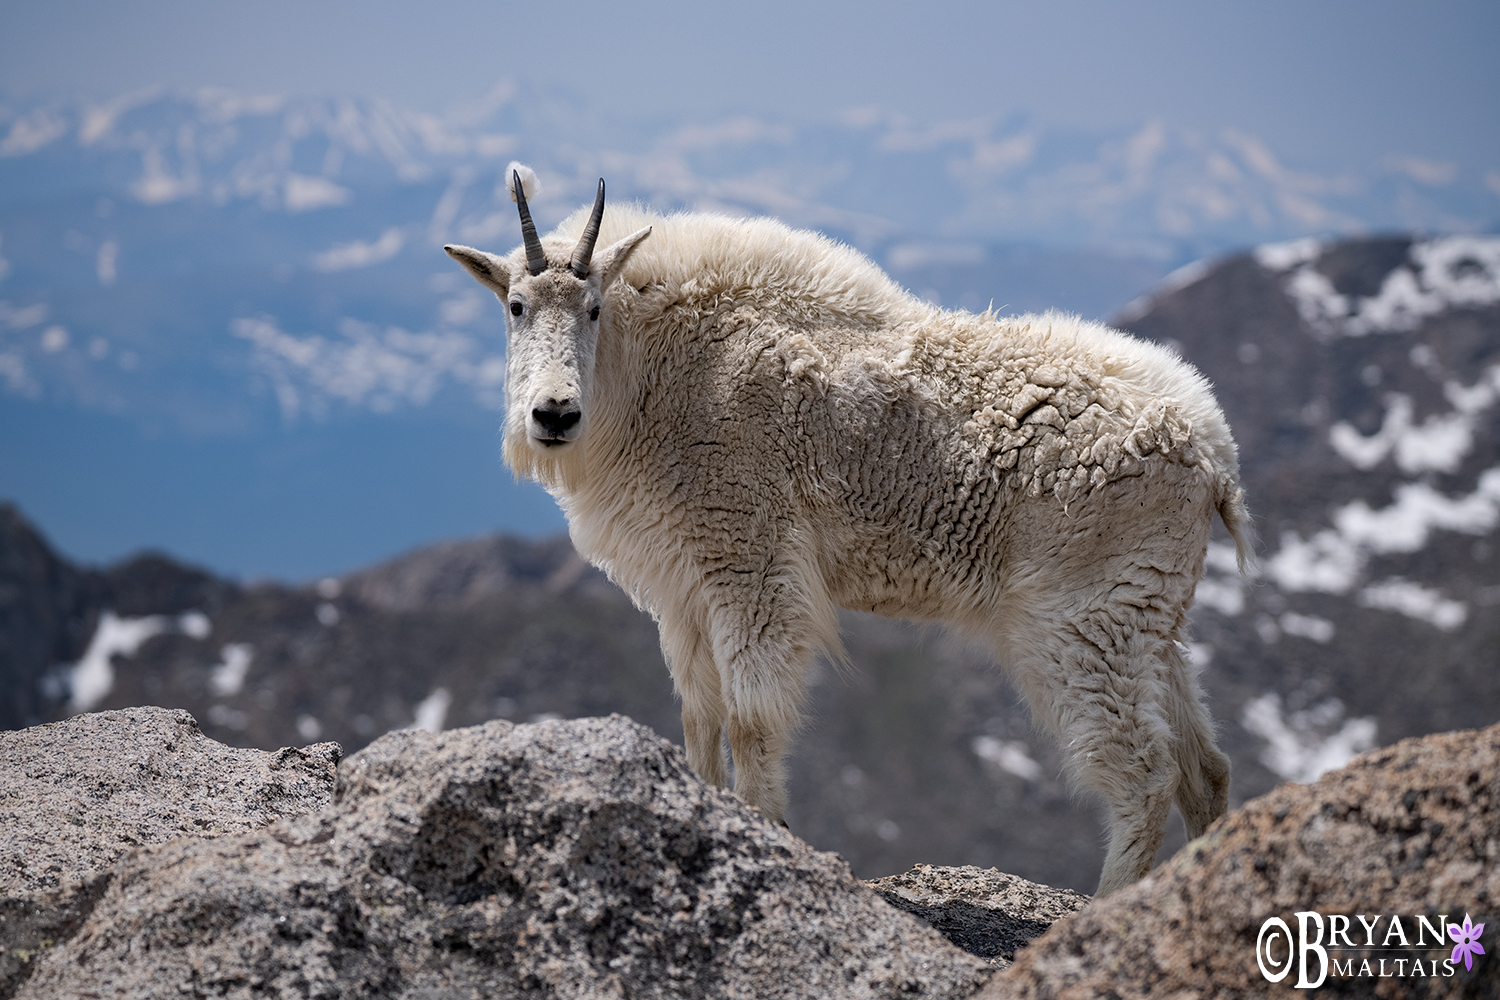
{"x": 582, "y": 858}
{"x": 577, "y": 858}
{"x": 79, "y": 795}
{"x": 1408, "y": 831}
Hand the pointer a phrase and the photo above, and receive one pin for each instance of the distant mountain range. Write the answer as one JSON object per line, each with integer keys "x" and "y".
{"x": 206, "y": 257}
{"x": 1361, "y": 377}
{"x": 229, "y": 309}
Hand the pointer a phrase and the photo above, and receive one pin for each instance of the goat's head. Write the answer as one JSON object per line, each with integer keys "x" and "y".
{"x": 554, "y": 306}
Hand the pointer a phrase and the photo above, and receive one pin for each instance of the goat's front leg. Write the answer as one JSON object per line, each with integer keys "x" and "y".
{"x": 690, "y": 658}
{"x": 765, "y": 633}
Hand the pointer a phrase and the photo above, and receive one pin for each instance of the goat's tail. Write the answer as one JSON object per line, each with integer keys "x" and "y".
{"x": 1236, "y": 517}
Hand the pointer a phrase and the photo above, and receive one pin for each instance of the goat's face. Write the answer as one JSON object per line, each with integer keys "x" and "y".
{"x": 553, "y": 323}
{"x": 554, "y": 308}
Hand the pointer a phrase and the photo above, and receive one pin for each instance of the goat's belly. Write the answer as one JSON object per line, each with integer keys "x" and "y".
{"x": 902, "y": 574}
{"x": 977, "y": 544}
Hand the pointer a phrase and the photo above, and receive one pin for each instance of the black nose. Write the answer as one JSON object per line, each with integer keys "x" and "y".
{"x": 555, "y": 418}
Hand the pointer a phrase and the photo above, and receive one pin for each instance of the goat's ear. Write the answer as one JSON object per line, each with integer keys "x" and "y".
{"x": 612, "y": 260}
{"x": 489, "y": 270}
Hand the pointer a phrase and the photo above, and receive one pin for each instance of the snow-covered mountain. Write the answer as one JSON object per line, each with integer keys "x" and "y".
{"x": 213, "y": 280}
{"x": 1362, "y": 379}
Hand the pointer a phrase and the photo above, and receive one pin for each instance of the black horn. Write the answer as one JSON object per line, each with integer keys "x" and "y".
{"x": 585, "y": 249}
{"x": 536, "y": 261}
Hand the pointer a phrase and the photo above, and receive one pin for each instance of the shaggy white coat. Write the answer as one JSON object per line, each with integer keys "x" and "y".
{"x": 771, "y": 429}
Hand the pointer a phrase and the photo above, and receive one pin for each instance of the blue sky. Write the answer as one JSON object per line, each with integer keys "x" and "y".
{"x": 1331, "y": 88}
{"x": 1328, "y": 84}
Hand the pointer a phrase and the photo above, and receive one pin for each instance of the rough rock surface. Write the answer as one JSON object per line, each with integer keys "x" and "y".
{"x": 985, "y": 912}
{"x": 76, "y": 795}
{"x": 571, "y": 859}
{"x": 1411, "y": 829}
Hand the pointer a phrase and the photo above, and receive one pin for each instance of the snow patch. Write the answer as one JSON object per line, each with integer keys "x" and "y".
{"x": 1450, "y": 272}
{"x": 1012, "y": 756}
{"x": 1187, "y": 274}
{"x": 1418, "y": 510}
{"x": 1199, "y": 654}
{"x": 1226, "y": 595}
{"x": 1282, "y": 257}
{"x": 432, "y": 710}
{"x": 1222, "y": 587}
{"x": 1306, "y": 626}
{"x": 1415, "y": 601}
{"x": 194, "y": 624}
{"x": 309, "y": 728}
{"x": 93, "y": 677}
{"x": 1222, "y": 557}
{"x": 1325, "y": 562}
{"x": 229, "y": 718}
{"x": 1475, "y": 399}
{"x": 1333, "y": 560}
{"x": 228, "y": 676}
{"x": 1438, "y": 444}
{"x": 1304, "y": 745}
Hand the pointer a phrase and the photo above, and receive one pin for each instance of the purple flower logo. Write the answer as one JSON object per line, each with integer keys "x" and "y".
{"x": 1467, "y": 936}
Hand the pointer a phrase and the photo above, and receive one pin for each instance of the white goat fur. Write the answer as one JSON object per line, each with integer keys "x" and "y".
{"x": 772, "y": 428}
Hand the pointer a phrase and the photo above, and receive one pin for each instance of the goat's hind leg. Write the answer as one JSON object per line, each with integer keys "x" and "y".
{"x": 1100, "y": 688}
{"x": 1127, "y": 754}
{"x": 1203, "y": 791}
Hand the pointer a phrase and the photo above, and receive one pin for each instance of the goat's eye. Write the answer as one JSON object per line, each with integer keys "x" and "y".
{"x": 594, "y": 315}
{"x": 516, "y": 308}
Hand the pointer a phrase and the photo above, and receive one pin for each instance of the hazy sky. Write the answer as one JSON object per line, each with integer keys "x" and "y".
{"x": 1328, "y": 84}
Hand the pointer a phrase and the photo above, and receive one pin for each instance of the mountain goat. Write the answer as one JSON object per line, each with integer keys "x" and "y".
{"x": 749, "y": 426}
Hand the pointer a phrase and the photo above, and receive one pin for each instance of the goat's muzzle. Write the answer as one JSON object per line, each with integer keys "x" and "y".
{"x": 553, "y": 421}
